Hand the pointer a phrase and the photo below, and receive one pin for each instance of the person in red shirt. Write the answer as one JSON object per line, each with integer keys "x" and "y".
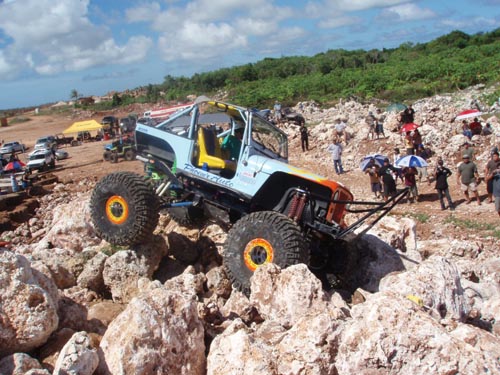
{"x": 475, "y": 127}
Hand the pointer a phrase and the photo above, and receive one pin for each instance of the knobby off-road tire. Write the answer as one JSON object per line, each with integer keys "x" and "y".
{"x": 124, "y": 209}
{"x": 129, "y": 155}
{"x": 259, "y": 238}
{"x": 113, "y": 158}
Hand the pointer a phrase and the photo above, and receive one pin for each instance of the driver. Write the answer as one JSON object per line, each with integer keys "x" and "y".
{"x": 232, "y": 143}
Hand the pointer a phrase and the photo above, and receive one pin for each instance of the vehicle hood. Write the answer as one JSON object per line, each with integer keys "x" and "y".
{"x": 269, "y": 166}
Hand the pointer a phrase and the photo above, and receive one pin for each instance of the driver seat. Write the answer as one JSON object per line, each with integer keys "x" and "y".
{"x": 209, "y": 151}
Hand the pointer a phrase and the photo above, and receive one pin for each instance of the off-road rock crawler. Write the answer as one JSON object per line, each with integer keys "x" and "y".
{"x": 276, "y": 213}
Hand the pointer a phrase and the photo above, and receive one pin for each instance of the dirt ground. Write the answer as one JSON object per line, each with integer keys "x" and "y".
{"x": 472, "y": 221}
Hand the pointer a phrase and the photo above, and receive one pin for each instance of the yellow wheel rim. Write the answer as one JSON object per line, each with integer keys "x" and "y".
{"x": 257, "y": 253}
{"x": 117, "y": 209}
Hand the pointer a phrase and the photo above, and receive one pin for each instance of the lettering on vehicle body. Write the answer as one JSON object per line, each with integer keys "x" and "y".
{"x": 206, "y": 175}
{"x": 247, "y": 177}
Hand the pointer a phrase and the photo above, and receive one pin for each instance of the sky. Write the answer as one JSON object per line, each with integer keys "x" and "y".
{"x": 50, "y": 47}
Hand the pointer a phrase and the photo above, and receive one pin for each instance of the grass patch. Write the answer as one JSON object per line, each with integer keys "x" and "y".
{"x": 420, "y": 217}
{"x": 488, "y": 229}
{"x": 111, "y": 249}
{"x": 18, "y": 120}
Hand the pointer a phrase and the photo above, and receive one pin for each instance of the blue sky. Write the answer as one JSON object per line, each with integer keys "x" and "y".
{"x": 50, "y": 47}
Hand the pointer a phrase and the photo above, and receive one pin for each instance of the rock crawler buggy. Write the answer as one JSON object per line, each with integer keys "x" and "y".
{"x": 277, "y": 213}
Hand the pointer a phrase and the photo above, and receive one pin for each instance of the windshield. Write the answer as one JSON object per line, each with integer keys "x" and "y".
{"x": 42, "y": 140}
{"x": 269, "y": 137}
{"x": 37, "y": 156}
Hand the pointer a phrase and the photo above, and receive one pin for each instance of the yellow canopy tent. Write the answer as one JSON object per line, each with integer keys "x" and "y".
{"x": 81, "y": 126}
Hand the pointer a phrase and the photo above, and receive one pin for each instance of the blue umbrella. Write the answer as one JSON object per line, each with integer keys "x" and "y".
{"x": 411, "y": 161}
{"x": 396, "y": 107}
{"x": 379, "y": 160}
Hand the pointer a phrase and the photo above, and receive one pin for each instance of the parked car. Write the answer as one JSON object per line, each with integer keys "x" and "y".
{"x": 10, "y": 147}
{"x": 49, "y": 140}
{"x": 287, "y": 114}
{"x": 41, "y": 160}
{"x": 61, "y": 154}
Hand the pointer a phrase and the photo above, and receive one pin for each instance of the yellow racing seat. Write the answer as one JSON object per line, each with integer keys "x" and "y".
{"x": 210, "y": 151}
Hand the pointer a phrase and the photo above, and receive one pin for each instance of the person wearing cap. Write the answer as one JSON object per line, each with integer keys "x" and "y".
{"x": 232, "y": 143}
{"x": 492, "y": 165}
{"x": 387, "y": 179}
{"x": 468, "y": 177}
{"x": 441, "y": 175}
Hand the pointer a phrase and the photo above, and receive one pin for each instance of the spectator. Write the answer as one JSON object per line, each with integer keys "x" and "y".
{"x": 424, "y": 154}
{"x": 468, "y": 151}
{"x": 277, "y": 111}
{"x": 399, "y": 171}
{"x": 340, "y": 130}
{"x": 496, "y": 189}
{"x": 409, "y": 174}
{"x": 370, "y": 123}
{"x": 466, "y": 129}
{"x": 475, "y": 127}
{"x": 492, "y": 165}
{"x": 408, "y": 144}
{"x": 373, "y": 171}
{"x": 385, "y": 173}
{"x": 336, "y": 149}
{"x": 13, "y": 183}
{"x": 468, "y": 177}
{"x": 487, "y": 129}
{"x": 304, "y": 137}
{"x": 232, "y": 143}
{"x": 379, "y": 127}
{"x": 416, "y": 139}
{"x": 408, "y": 115}
{"x": 441, "y": 175}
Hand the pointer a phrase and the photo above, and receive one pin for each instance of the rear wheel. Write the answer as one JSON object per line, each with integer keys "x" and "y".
{"x": 124, "y": 209}
{"x": 113, "y": 157}
{"x": 260, "y": 238}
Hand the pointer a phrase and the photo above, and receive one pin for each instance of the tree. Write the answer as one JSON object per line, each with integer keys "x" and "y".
{"x": 74, "y": 94}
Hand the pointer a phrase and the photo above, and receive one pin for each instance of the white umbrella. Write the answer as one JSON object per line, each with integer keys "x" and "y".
{"x": 411, "y": 161}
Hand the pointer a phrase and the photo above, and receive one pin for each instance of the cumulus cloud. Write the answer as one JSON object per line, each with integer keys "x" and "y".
{"x": 327, "y": 8}
{"x": 334, "y": 22}
{"x": 406, "y": 12}
{"x": 191, "y": 41}
{"x": 55, "y": 36}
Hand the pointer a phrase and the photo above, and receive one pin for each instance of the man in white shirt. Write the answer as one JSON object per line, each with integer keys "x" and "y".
{"x": 336, "y": 149}
{"x": 341, "y": 130}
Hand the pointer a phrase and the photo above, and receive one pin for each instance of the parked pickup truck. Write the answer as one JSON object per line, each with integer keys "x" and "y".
{"x": 49, "y": 141}
{"x": 62, "y": 140}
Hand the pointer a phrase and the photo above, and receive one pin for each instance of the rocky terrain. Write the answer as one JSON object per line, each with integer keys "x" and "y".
{"x": 424, "y": 298}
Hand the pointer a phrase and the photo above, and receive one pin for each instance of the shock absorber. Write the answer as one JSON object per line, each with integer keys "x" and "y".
{"x": 300, "y": 207}
{"x": 297, "y": 205}
{"x": 293, "y": 206}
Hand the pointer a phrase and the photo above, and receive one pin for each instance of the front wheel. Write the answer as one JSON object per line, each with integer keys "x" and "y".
{"x": 259, "y": 238}
{"x": 124, "y": 209}
{"x": 129, "y": 155}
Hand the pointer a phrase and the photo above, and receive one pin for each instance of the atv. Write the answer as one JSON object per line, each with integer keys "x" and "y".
{"x": 275, "y": 213}
{"x": 122, "y": 148}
